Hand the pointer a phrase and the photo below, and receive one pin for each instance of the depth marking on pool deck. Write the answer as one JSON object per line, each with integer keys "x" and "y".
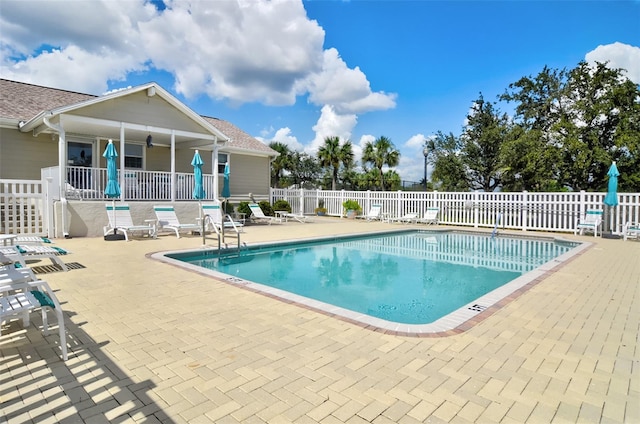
{"x": 455, "y": 322}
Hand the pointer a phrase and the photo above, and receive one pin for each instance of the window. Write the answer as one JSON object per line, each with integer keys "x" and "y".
{"x": 222, "y": 160}
{"x": 133, "y": 156}
{"x": 79, "y": 154}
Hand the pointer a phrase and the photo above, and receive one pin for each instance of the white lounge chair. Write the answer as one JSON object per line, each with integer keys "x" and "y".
{"x": 258, "y": 215}
{"x": 430, "y": 216}
{"x": 167, "y": 220}
{"x": 25, "y": 239}
{"x": 25, "y": 253}
{"x": 22, "y": 293}
{"x": 373, "y": 214}
{"x": 298, "y": 217}
{"x": 216, "y": 219}
{"x": 591, "y": 221}
{"x": 120, "y": 219}
{"x": 407, "y": 218}
{"x": 632, "y": 230}
{"x": 10, "y": 239}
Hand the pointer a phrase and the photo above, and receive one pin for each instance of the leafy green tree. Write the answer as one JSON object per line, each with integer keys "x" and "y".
{"x": 531, "y": 156}
{"x": 332, "y": 155}
{"x": 449, "y": 172}
{"x": 380, "y": 153}
{"x": 281, "y": 163}
{"x": 528, "y": 162}
{"x": 392, "y": 180}
{"x": 305, "y": 170}
{"x": 575, "y": 123}
{"x": 599, "y": 105}
{"x": 482, "y": 139}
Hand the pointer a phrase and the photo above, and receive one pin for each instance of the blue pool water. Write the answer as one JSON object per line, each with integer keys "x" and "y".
{"x": 413, "y": 277}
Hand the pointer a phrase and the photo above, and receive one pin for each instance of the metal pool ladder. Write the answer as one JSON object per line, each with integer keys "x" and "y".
{"x": 220, "y": 232}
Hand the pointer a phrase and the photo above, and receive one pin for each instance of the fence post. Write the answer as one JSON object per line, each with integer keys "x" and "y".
{"x": 301, "y": 201}
{"x": 525, "y": 209}
{"x": 476, "y": 207}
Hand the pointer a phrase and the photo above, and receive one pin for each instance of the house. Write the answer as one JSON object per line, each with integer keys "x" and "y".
{"x": 57, "y": 137}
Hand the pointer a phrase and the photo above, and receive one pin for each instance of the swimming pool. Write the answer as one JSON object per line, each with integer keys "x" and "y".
{"x": 409, "y": 281}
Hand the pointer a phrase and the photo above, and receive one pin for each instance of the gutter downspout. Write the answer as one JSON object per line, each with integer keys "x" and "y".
{"x": 62, "y": 168}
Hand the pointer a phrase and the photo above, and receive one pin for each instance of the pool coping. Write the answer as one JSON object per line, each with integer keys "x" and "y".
{"x": 456, "y": 322}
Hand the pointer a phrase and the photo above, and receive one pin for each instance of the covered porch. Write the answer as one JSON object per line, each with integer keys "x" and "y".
{"x": 84, "y": 183}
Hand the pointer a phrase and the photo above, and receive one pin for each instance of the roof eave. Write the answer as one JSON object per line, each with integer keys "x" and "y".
{"x": 38, "y": 120}
{"x": 228, "y": 148}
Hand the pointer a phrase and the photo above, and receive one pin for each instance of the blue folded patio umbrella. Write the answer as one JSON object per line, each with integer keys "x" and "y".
{"x": 226, "y": 191}
{"x": 112, "y": 189}
{"x": 611, "y": 199}
{"x": 198, "y": 189}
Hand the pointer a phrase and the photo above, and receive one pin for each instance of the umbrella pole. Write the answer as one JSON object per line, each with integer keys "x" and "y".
{"x": 224, "y": 217}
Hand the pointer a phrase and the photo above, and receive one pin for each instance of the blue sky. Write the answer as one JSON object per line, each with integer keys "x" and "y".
{"x": 297, "y": 72}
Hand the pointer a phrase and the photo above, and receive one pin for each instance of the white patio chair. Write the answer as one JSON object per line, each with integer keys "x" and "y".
{"x": 22, "y": 293}
{"x": 430, "y": 216}
{"x": 25, "y": 253}
{"x": 373, "y": 214}
{"x": 591, "y": 221}
{"x": 120, "y": 219}
{"x": 631, "y": 230}
{"x": 168, "y": 220}
{"x": 298, "y": 217}
{"x": 216, "y": 219}
{"x": 258, "y": 215}
{"x": 407, "y": 218}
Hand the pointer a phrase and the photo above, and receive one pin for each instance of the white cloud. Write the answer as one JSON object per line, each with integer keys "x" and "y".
{"x": 221, "y": 49}
{"x": 331, "y": 124}
{"x": 283, "y": 135}
{"x": 618, "y": 55}
{"x": 348, "y": 90}
{"x": 60, "y": 69}
{"x": 238, "y": 51}
{"x": 416, "y": 142}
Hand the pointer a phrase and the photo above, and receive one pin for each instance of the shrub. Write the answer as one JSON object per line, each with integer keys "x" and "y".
{"x": 244, "y": 208}
{"x": 351, "y": 205}
{"x": 228, "y": 208}
{"x": 266, "y": 208}
{"x": 281, "y": 205}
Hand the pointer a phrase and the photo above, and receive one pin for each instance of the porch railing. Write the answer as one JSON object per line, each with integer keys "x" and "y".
{"x": 518, "y": 211}
{"x": 89, "y": 183}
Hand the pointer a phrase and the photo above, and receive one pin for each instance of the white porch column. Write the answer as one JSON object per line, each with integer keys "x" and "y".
{"x": 173, "y": 165}
{"x": 62, "y": 163}
{"x": 123, "y": 190}
{"x": 62, "y": 180}
{"x": 214, "y": 170}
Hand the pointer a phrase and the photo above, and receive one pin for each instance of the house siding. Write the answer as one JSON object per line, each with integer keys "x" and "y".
{"x": 22, "y": 155}
{"x": 249, "y": 174}
{"x": 137, "y": 108}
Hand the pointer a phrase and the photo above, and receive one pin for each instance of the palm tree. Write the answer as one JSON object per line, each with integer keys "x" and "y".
{"x": 281, "y": 163}
{"x": 332, "y": 155}
{"x": 380, "y": 153}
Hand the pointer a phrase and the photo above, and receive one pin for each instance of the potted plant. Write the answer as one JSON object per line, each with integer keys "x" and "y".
{"x": 351, "y": 207}
{"x": 320, "y": 210}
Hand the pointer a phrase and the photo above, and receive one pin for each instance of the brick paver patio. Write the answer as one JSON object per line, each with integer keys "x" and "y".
{"x": 150, "y": 342}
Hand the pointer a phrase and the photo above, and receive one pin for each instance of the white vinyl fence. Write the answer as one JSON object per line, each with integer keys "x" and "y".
{"x": 22, "y": 207}
{"x": 25, "y": 208}
{"x": 519, "y": 211}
